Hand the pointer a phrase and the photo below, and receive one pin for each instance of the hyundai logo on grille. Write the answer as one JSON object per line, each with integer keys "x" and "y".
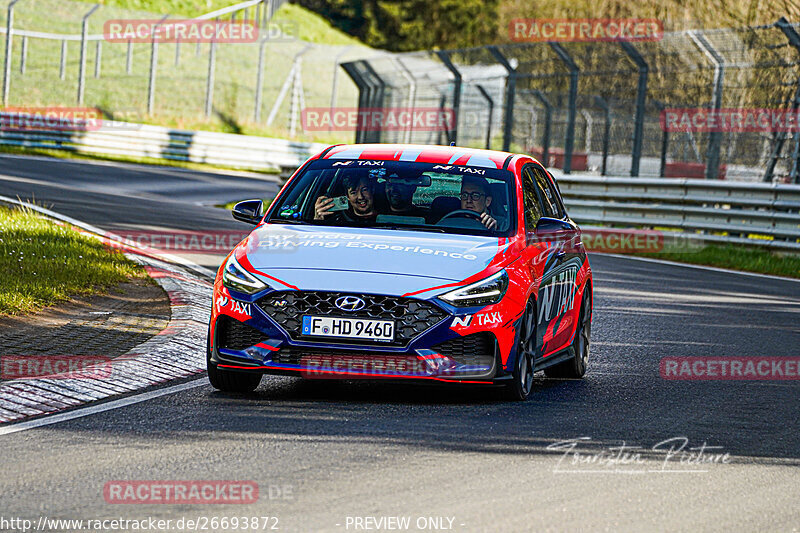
{"x": 350, "y": 303}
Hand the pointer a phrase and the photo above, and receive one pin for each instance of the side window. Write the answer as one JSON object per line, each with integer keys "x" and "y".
{"x": 560, "y": 199}
{"x": 547, "y": 194}
{"x": 532, "y": 205}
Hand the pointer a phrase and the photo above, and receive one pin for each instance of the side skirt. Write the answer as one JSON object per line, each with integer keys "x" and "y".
{"x": 564, "y": 355}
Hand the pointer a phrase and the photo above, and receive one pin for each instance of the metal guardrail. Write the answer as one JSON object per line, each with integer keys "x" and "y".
{"x": 738, "y": 213}
{"x": 715, "y": 211}
{"x": 139, "y": 140}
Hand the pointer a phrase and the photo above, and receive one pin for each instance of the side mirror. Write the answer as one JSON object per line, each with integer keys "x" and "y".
{"x": 248, "y": 211}
{"x": 553, "y": 225}
{"x": 552, "y": 230}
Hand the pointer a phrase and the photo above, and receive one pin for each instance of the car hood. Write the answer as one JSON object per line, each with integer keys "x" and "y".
{"x": 366, "y": 259}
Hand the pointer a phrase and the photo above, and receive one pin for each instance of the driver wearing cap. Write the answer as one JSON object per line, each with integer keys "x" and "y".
{"x": 475, "y": 197}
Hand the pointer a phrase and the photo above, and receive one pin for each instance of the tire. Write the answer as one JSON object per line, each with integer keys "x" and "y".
{"x": 519, "y": 389}
{"x": 230, "y": 381}
{"x": 575, "y": 368}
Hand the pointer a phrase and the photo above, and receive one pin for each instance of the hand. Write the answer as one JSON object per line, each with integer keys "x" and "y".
{"x": 488, "y": 221}
{"x": 322, "y": 207}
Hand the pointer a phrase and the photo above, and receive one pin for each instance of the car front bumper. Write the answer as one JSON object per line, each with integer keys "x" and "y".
{"x": 258, "y": 336}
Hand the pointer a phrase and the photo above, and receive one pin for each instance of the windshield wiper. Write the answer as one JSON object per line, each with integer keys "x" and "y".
{"x": 433, "y": 229}
{"x": 289, "y": 221}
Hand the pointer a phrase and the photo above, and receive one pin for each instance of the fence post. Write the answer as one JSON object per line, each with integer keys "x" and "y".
{"x": 511, "y": 87}
{"x": 641, "y": 95}
{"x": 606, "y": 130}
{"x": 82, "y": 64}
{"x": 548, "y": 119}
{"x": 664, "y": 141}
{"x": 376, "y": 95}
{"x": 212, "y": 58}
{"x": 335, "y": 84}
{"x": 780, "y": 137}
{"x": 281, "y": 95}
{"x": 294, "y": 100}
{"x": 98, "y": 55}
{"x": 363, "y": 93}
{"x": 452, "y": 136}
{"x": 62, "y": 72}
{"x": 7, "y": 63}
{"x": 151, "y": 85}
{"x": 23, "y": 55}
{"x": 715, "y": 137}
{"x": 268, "y": 12}
{"x": 259, "y": 78}
{"x": 569, "y": 142}
{"x": 491, "y": 114}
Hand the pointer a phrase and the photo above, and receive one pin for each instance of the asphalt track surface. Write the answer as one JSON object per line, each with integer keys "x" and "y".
{"x": 326, "y": 454}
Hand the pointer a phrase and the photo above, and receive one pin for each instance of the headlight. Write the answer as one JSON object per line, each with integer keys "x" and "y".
{"x": 237, "y": 278}
{"x": 486, "y": 291}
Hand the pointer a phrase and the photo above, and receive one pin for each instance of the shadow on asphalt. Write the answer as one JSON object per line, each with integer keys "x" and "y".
{"x": 603, "y": 407}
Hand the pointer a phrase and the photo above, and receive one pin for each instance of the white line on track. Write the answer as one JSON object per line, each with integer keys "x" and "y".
{"x": 94, "y": 409}
{"x": 697, "y": 267}
{"x": 152, "y": 168}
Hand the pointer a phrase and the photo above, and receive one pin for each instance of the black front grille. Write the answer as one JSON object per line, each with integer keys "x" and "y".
{"x": 292, "y": 355}
{"x": 476, "y": 349}
{"x": 235, "y": 335}
{"x": 411, "y": 316}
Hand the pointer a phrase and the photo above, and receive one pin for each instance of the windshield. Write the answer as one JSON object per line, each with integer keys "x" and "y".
{"x": 400, "y": 195}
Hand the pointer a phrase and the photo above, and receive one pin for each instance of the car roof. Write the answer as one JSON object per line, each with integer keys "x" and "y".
{"x": 445, "y": 155}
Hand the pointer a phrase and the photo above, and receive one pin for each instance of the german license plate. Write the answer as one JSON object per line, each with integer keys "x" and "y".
{"x": 348, "y": 328}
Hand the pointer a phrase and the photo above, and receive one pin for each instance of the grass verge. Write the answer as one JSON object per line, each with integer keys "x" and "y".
{"x": 737, "y": 258}
{"x": 44, "y": 263}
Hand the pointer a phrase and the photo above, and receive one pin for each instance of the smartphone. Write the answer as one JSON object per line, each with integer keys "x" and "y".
{"x": 340, "y": 203}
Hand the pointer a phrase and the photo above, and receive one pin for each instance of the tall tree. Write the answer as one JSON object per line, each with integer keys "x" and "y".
{"x": 403, "y": 25}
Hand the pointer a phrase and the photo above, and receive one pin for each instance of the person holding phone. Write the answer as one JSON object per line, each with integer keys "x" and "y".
{"x": 359, "y": 188}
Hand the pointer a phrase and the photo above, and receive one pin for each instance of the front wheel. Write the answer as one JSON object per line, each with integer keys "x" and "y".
{"x": 519, "y": 389}
{"x": 575, "y": 367}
